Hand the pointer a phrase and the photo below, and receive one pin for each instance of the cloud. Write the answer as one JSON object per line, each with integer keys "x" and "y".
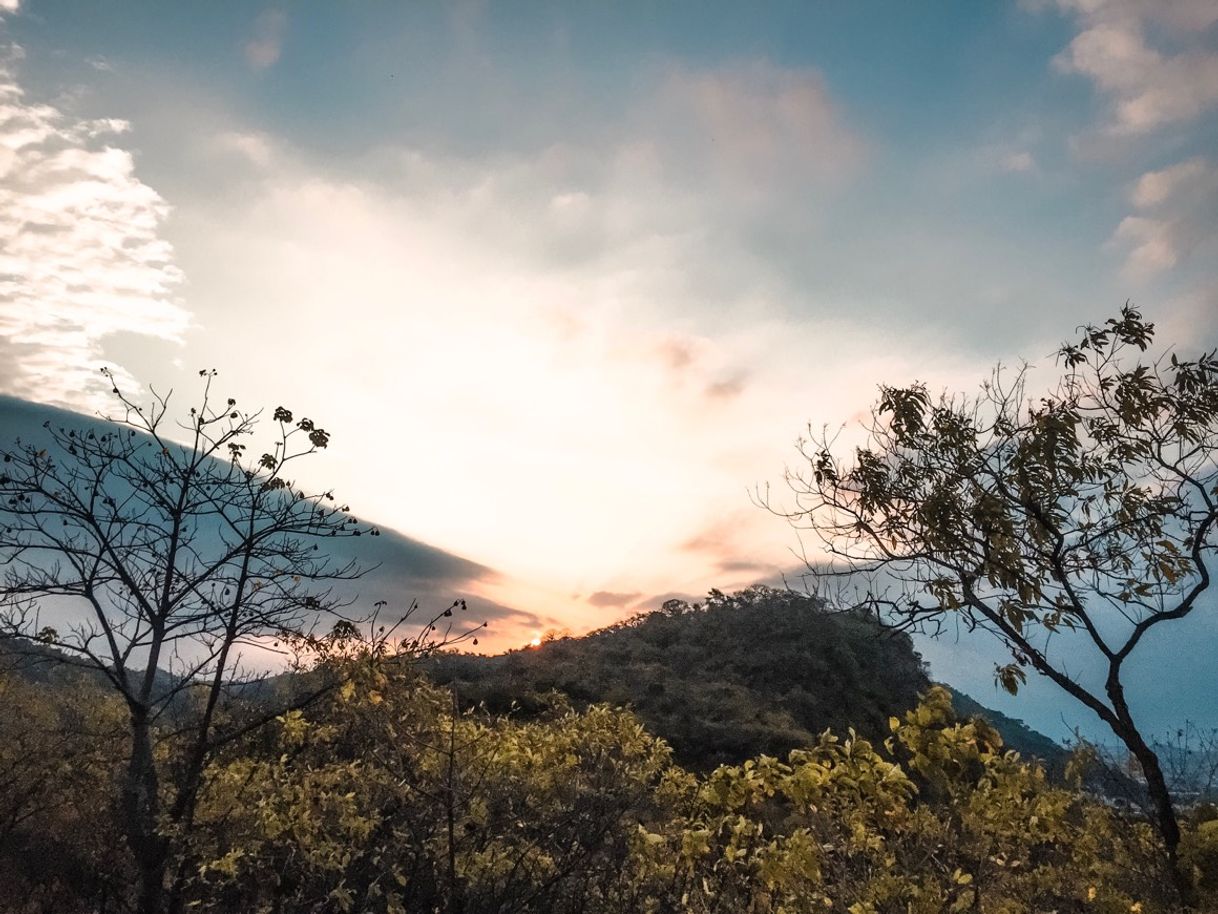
{"x": 603, "y": 598}
{"x": 253, "y": 147}
{"x": 727, "y": 388}
{"x": 10, "y": 6}
{"x": 1155, "y": 66}
{"x": 1156, "y": 187}
{"x": 402, "y": 569}
{"x": 730, "y": 543}
{"x": 1151, "y": 246}
{"x": 1175, "y": 216}
{"x": 1018, "y": 162}
{"x": 745, "y": 566}
{"x": 266, "y": 45}
{"x": 748, "y": 128}
{"x": 81, "y": 255}
{"x": 599, "y": 380}
{"x": 1174, "y": 15}
{"x": 1171, "y": 78}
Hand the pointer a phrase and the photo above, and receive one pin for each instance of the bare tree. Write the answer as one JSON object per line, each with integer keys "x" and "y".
{"x": 174, "y": 556}
{"x": 1090, "y": 510}
{"x": 1190, "y": 761}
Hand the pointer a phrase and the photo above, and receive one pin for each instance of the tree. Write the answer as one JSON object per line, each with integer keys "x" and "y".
{"x": 174, "y": 555}
{"x": 938, "y": 818}
{"x": 387, "y": 798}
{"x": 1085, "y": 516}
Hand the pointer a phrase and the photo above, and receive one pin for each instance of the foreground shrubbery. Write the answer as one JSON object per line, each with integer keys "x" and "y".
{"x": 383, "y": 798}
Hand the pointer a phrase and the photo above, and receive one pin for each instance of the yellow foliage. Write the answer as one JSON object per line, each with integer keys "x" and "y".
{"x": 402, "y": 804}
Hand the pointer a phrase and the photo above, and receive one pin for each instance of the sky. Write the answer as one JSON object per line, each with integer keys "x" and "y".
{"x": 567, "y": 281}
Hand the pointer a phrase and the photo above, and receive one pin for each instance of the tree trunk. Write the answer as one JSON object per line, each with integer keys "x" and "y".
{"x": 140, "y": 812}
{"x": 1164, "y": 810}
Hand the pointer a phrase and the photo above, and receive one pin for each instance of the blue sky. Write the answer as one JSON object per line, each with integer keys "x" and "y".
{"x": 567, "y": 280}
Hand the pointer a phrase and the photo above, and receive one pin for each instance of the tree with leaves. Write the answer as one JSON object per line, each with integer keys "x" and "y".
{"x": 1083, "y": 518}
{"x": 937, "y": 819}
{"x": 60, "y": 751}
{"x": 174, "y": 556}
{"x": 386, "y": 797}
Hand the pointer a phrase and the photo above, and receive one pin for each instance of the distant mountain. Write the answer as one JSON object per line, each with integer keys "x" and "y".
{"x": 400, "y": 569}
{"x": 1015, "y": 733}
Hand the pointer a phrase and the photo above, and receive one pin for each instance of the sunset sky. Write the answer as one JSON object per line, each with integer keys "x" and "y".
{"x": 566, "y": 281}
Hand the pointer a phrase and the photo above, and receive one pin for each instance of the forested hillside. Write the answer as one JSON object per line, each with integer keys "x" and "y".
{"x": 760, "y": 671}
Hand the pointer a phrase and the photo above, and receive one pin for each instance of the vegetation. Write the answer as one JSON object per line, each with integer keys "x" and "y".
{"x": 1082, "y": 519}
{"x": 384, "y": 796}
{"x": 1027, "y": 742}
{"x": 760, "y": 671}
{"x": 61, "y": 760}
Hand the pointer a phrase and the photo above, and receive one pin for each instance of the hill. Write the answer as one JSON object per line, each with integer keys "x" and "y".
{"x": 759, "y": 671}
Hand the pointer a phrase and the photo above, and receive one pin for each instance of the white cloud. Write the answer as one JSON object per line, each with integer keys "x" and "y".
{"x": 1176, "y": 15}
{"x": 9, "y": 6}
{"x": 1175, "y": 215}
{"x": 1018, "y": 162}
{"x": 1151, "y": 246}
{"x": 1172, "y": 79}
{"x": 1155, "y": 64}
{"x": 81, "y": 256}
{"x": 254, "y": 148}
{"x": 570, "y": 343}
{"x": 266, "y": 45}
{"x": 754, "y": 123}
{"x": 1156, "y": 187}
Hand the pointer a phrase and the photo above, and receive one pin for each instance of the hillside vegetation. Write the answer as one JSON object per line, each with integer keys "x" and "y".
{"x": 384, "y": 797}
{"x": 760, "y": 671}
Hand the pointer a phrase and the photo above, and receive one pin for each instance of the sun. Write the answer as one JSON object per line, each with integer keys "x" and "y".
{"x": 536, "y": 641}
